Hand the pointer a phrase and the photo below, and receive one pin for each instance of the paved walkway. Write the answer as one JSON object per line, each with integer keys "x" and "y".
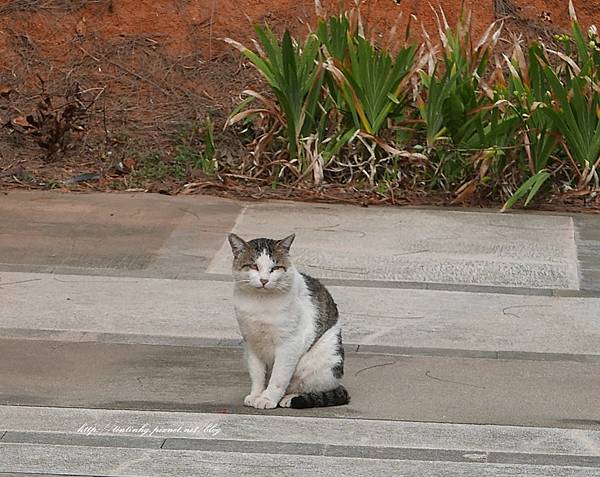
{"x": 460, "y": 326}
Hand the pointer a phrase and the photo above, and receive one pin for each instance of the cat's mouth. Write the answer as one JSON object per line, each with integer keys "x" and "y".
{"x": 267, "y": 288}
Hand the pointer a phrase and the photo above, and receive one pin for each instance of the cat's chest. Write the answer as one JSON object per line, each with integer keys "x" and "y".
{"x": 265, "y": 325}
{"x": 268, "y": 313}
{"x": 261, "y": 334}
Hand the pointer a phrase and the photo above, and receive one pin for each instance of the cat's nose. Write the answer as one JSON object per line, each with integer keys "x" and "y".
{"x": 263, "y": 281}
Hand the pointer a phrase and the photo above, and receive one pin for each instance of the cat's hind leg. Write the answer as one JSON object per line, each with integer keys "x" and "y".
{"x": 321, "y": 368}
{"x": 316, "y": 380}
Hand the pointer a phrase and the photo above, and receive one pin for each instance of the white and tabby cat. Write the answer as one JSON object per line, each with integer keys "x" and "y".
{"x": 290, "y": 325}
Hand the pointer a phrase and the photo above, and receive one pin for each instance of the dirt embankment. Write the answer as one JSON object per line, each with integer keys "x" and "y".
{"x": 140, "y": 73}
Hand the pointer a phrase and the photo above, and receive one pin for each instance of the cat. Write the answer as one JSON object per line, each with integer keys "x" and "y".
{"x": 289, "y": 322}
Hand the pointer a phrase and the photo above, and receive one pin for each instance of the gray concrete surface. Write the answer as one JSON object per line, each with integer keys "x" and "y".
{"x": 181, "y": 234}
{"x": 250, "y": 445}
{"x": 110, "y": 461}
{"x": 418, "y": 245}
{"x": 435, "y": 389}
{"x": 115, "y": 234}
{"x": 459, "y": 326}
{"x": 37, "y": 424}
{"x": 588, "y": 250}
{"x": 176, "y": 312}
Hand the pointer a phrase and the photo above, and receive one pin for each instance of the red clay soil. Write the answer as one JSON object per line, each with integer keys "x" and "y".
{"x": 186, "y": 27}
{"x": 144, "y": 69}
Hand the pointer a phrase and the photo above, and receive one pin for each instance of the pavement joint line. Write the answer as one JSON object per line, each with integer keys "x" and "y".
{"x": 380, "y": 452}
{"x": 313, "y": 449}
{"x": 224, "y": 245}
{"x": 339, "y": 282}
{"x": 191, "y": 342}
{"x": 46, "y": 474}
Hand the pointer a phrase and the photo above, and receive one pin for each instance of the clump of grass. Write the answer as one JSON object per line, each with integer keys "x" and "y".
{"x": 150, "y": 168}
{"x": 195, "y": 151}
{"x": 191, "y": 156}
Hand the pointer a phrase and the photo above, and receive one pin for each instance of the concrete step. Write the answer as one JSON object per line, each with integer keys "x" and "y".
{"x": 107, "y": 442}
{"x": 417, "y": 388}
{"x": 181, "y": 237}
{"x": 376, "y": 243}
{"x": 378, "y": 319}
{"x": 116, "y": 462}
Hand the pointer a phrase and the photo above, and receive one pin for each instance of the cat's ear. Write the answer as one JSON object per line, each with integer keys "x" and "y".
{"x": 238, "y": 244}
{"x": 286, "y": 243}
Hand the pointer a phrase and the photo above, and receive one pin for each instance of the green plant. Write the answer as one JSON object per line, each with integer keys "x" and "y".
{"x": 431, "y": 108}
{"x": 373, "y": 83}
{"x": 563, "y": 105}
{"x": 451, "y": 88}
{"x": 294, "y": 75}
{"x": 151, "y": 168}
{"x": 530, "y": 187}
{"x": 190, "y": 156}
{"x": 344, "y": 109}
{"x": 368, "y": 90}
{"x": 468, "y": 128}
{"x": 526, "y": 90}
{"x": 574, "y": 108}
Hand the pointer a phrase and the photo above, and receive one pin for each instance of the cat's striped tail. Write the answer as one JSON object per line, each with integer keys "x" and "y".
{"x": 335, "y": 397}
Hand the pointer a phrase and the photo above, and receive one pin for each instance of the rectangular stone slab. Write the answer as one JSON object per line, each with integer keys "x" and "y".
{"x": 41, "y": 423}
{"x": 333, "y": 241}
{"x": 438, "y": 389}
{"x": 113, "y": 234}
{"x": 163, "y": 311}
{"x": 108, "y": 461}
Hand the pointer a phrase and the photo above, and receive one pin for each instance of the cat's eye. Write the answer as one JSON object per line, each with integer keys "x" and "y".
{"x": 277, "y": 267}
{"x": 251, "y": 266}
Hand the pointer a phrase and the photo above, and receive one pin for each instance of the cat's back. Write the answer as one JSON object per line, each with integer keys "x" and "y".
{"x": 326, "y": 311}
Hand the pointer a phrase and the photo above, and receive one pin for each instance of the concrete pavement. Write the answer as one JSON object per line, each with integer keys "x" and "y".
{"x": 177, "y": 237}
{"x": 172, "y": 443}
{"x": 120, "y": 303}
{"x": 200, "y": 312}
{"x": 383, "y": 386}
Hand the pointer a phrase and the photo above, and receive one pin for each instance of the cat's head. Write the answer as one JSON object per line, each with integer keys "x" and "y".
{"x": 263, "y": 264}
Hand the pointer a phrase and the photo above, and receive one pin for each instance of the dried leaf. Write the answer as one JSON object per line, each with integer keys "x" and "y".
{"x": 22, "y": 121}
{"x": 5, "y": 89}
{"x": 567, "y": 59}
{"x": 235, "y": 44}
{"x": 464, "y": 192}
{"x": 577, "y": 193}
{"x": 572, "y": 12}
{"x": 243, "y": 115}
{"x": 521, "y": 61}
{"x": 319, "y": 9}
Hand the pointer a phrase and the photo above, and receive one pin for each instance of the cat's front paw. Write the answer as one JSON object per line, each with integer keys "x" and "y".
{"x": 250, "y": 399}
{"x": 264, "y": 402}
